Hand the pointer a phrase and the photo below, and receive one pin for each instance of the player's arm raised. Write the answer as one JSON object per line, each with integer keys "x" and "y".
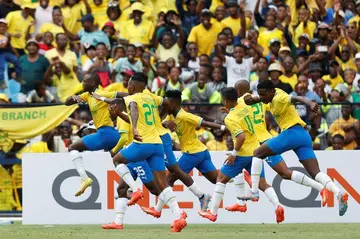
{"x": 134, "y": 114}
{"x": 314, "y": 107}
{"x": 251, "y": 99}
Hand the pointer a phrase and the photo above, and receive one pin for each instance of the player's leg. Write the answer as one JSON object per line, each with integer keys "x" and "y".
{"x": 278, "y": 164}
{"x": 77, "y": 159}
{"x": 167, "y": 196}
{"x": 173, "y": 167}
{"x": 120, "y": 207}
{"x": 133, "y": 153}
{"x": 308, "y": 159}
{"x": 240, "y": 205}
{"x": 226, "y": 173}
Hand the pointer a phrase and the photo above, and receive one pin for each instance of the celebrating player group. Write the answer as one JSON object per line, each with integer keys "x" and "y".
{"x": 141, "y": 140}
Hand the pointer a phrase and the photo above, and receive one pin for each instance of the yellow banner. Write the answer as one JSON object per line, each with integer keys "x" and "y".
{"x": 28, "y": 122}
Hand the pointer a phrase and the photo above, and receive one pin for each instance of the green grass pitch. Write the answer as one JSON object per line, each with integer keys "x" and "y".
{"x": 265, "y": 231}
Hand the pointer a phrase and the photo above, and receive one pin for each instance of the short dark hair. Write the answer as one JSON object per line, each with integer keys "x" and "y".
{"x": 266, "y": 84}
{"x": 101, "y": 44}
{"x": 58, "y": 34}
{"x": 38, "y": 84}
{"x": 173, "y": 94}
{"x": 339, "y": 136}
{"x": 140, "y": 77}
{"x": 229, "y": 93}
{"x": 131, "y": 45}
{"x": 221, "y": 33}
{"x": 241, "y": 46}
{"x": 56, "y": 8}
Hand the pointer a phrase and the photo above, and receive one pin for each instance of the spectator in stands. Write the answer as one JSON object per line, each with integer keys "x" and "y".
{"x": 90, "y": 35}
{"x": 127, "y": 63}
{"x": 334, "y": 78}
{"x": 173, "y": 83}
{"x": 347, "y": 88}
{"x": 40, "y": 94}
{"x": 170, "y": 23}
{"x": 62, "y": 71}
{"x": 54, "y": 26}
{"x": 43, "y": 14}
{"x": 220, "y": 13}
{"x": 275, "y": 72}
{"x": 100, "y": 65}
{"x": 7, "y": 6}
{"x": 200, "y": 92}
{"x": 263, "y": 75}
{"x": 237, "y": 67}
{"x": 6, "y": 53}
{"x": 33, "y": 66}
{"x": 217, "y": 84}
{"x": 161, "y": 77}
{"x": 261, "y": 65}
{"x": 109, "y": 29}
{"x": 310, "y": 95}
{"x": 337, "y": 141}
{"x": 205, "y": 34}
{"x": 314, "y": 74}
{"x": 219, "y": 142}
{"x": 236, "y": 19}
{"x": 348, "y": 125}
{"x": 194, "y": 61}
{"x": 114, "y": 15}
{"x": 189, "y": 18}
{"x": 289, "y": 76}
{"x": 319, "y": 90}
{"x": 187, "y": 74}
{"x": 166, "y": 47}
{"x": 270, "y": 33}
{"x": 73, "y": 11}
{"x": 46, "y": 43}
{"x": 137, "y": 30}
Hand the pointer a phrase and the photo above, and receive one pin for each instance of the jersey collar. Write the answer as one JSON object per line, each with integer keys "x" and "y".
{"x": 178, "y": 112}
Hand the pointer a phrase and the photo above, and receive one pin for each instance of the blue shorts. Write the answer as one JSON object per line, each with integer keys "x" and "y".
{"x": 295, "y": 138}
{"x": 105, "y": 138}
{"x": 240, "y": 163}
{"x": 152, "y": 153}
{"x": 273, "y": 160}
{"x": 142, "y": 170}
{"x": 170, "y": 159}
{"x": 201, "y": 161}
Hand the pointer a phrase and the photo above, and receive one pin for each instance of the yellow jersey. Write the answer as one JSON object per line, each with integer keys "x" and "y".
{"x": 158, "y": 122}
{"x": 148, "y": 113}
{"x": 333, "y": 81}
{"x": 258, "y": 118}
{"x": 99, "y": 109}
{"x": 17, "y": 24}
{"x": 284, "y": 111}
{"x": 235, "y": 24}
{"x": 141, "y": 33}
{"x": 239, "y": 121}
{"x": 266, "y": 36}
{"x": 290, "y": 80}
{"x": 72, "y": 16}
{"x": 204, "y": 38}
{"x": 185, "y": 130}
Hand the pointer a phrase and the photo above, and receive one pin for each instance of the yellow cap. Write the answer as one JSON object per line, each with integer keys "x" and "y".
{"x": 4, "y": 98}
{"x": 137, "y": 7}
{"x": 341, "y": 132}
{"x": 284, "y": 48}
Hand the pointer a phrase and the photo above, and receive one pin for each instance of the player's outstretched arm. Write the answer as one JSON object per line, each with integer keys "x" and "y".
{"x": 101, "y": 98}
{"x": 212, "y": 125}
{"x": 314, "y": 107}
{"x": 251, "y": 99}
{"x": 75, "y": 99}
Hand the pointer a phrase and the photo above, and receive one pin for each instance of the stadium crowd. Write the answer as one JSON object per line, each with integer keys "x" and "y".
{"x": 306, "y": 47}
